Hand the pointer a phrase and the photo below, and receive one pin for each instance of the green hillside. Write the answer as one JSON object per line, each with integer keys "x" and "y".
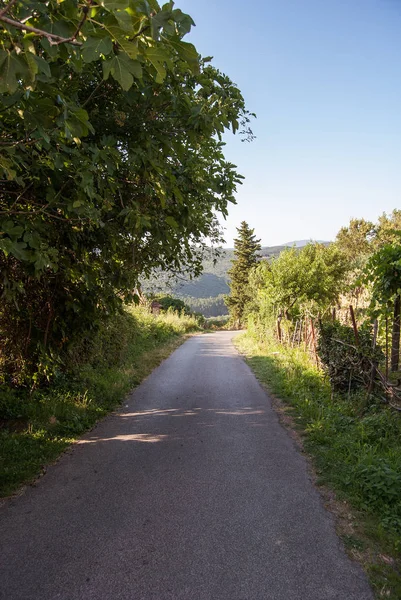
{"x": 205, "y": 293}
{"x": 206, "y": 286}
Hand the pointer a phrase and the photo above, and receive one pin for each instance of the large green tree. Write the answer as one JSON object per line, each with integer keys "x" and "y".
{"x": 311, "y": 278}
{"x": 356, "y": 240}
{"x": 246, "y": 252}
{"x": 388, "y": 228}
{"x": 383, "y": 271}
{"x": 112, "y": 163}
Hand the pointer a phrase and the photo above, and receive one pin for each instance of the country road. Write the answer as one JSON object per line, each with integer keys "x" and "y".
{"x": 193, "y": 491}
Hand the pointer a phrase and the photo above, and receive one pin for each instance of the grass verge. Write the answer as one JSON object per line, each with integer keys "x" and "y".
{"x": 356, "y": 452}
{"x": 36, "y": 427}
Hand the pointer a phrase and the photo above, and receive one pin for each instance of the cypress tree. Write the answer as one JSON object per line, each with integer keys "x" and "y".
{"x": 246, "y": 252}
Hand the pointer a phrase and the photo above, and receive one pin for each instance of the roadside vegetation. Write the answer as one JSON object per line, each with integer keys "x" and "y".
{"x": 356, "y": 451}
{"x": 323, "y": 335}
{"x": 38, "y": 424}
{"x": 112, "y": 167}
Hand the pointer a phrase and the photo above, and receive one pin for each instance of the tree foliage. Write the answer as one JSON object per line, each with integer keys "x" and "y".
{"x": 112, "y": 163}
{"x": 388, "y": 228}
{"x": 311, "y": 278}
{"x": 246, "y": 252}
{"x": 383, "y": 271}
{"x": 356, "y": 240}
{"x": 359, "y": 241}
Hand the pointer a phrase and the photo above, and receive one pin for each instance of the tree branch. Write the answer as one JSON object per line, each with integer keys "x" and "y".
{"x": 139, "y": 33}
{"x": 78, "y": 29}
{"x": 42, "y": 212}
{"x": 50, "y": 36}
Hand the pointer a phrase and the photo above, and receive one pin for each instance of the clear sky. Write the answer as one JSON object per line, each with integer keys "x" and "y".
{"x": 324, "y": 79}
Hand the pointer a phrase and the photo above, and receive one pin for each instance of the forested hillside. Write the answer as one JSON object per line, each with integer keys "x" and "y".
{"x": 204, "y": 293}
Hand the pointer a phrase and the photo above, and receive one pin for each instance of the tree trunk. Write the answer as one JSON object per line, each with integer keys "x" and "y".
{"x": 395, "y": 341}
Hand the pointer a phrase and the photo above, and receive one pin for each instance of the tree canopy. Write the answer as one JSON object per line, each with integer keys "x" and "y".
{"x": 311, "y": 278}
{"x": 356, "y": 240}
{"x": 383, "y": 271}
{"x": 112, "y": 161}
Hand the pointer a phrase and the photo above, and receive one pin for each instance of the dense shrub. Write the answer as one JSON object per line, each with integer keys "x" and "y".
{"x": 348, "y": 365}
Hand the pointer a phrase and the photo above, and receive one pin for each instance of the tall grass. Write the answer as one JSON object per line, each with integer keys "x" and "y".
{"x": 356, "y": 449}
{"x": 98, "y": 373}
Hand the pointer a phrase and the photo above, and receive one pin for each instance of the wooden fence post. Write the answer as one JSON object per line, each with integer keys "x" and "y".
{"x": 374, "y": 364}
{"x": 314, "y": 341}
{"x": 386, "y": 346}
{"x": 351, "y": 310}
{"x": 279, "y": 334}
{"x": 294, "y": 334}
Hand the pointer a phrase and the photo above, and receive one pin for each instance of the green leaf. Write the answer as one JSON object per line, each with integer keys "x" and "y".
{"x": 77, "y": 124}
{"x": 93, "y": 47}
{"x": 188, "y": 53}
{"x": 12, "y": 66}
{"x": 30, "y": 56}
{"x": 160, "y": 20}
{"x": 183, "y": 21}
{"x": 6, "y": 166}
{"x": 3, "y": 56}
{"x": 124, "y": 20}
{"x": 11, "y": 229}
{"x": 171, "y": 221}
{"x": 144, "y": 7}
{"x": 43, "y": 116}
{"x": 130, "y": 48}
{"x": 33, "y": 67}
{"x": 157, "y": 57}
{"x": 122, "y": 68}
{"x": 42, "y": 65}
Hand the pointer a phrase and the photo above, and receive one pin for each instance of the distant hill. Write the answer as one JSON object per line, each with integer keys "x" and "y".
{"x": 212, "y": 283}
{"x": 206, "y": 286}
{"x": 302, "y": 243}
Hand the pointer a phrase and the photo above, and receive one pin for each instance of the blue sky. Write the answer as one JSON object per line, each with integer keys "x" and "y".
{"x": 324, "y": 80}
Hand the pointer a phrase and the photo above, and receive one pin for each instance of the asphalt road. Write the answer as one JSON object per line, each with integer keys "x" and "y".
{"x": 192, "y": 492}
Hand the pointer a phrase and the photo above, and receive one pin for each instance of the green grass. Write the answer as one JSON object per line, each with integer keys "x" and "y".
{"x": 37, "y": 427}
{"x": 356, "y": 450}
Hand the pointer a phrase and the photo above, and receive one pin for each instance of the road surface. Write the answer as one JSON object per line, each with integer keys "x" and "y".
{"x": 193, "y": 491}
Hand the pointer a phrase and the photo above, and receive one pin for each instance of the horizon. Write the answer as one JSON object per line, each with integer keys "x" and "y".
{"x": 286, "y": 244}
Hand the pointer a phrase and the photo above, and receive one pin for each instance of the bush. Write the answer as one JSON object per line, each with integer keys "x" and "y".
{"x": 348, "y": 367}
